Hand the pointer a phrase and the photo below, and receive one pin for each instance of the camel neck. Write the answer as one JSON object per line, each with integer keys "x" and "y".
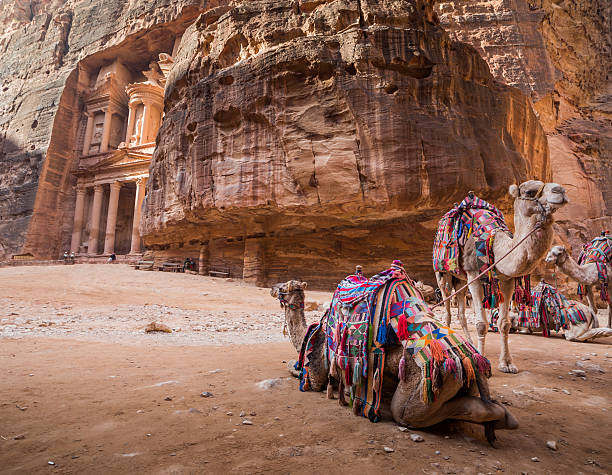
{"x": 523, "y": 259}
{"x": 296, "y": 324}
{"x": 570, "y": 267}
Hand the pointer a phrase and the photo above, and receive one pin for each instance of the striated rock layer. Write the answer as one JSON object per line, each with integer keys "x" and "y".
{"x": 302, "y": 138}
{"x": 560, "y": 53}
{"x": 48, "y": 50}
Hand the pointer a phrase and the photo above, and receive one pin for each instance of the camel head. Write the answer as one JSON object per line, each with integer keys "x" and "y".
{"x": 290, "y": 294}
{"x": 535, "y": 197}
{"x": 557, "y": 255}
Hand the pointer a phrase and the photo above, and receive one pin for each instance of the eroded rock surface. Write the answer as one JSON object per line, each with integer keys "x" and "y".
{"x": 329, "y": 133}
{"x": 560, "y": 53}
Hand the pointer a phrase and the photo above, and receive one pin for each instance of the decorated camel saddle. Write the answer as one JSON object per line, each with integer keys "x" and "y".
{"x": 550, "y": 310}
{"x": 599, "y": 252}
{"x": 366, "y": 317}
{"x": 473, "y": 217}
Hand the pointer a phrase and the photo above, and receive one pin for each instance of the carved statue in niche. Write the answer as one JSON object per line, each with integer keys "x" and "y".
{"x": 136, "y": 135}
{"x": 96, "y": 138}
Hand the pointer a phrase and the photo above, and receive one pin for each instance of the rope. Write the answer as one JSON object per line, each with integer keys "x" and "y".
{"x": 536, "y": 228}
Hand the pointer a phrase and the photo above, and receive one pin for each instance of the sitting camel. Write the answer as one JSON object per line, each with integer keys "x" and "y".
{"x": 585, "y": 274}
{"x": 534, "y": 204}
{"x": 401, "y": 396}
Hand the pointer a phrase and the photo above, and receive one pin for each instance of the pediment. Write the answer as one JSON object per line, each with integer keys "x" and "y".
{"x": 122, "y": 158}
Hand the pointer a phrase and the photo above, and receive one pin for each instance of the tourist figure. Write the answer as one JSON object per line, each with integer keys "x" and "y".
{"x": 111, "y": 258}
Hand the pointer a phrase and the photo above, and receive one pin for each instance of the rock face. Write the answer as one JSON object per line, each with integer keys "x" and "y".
{"x": 302, "y": 138}
{"x": 48, "y": 48}
{"x": 560, "y": 53}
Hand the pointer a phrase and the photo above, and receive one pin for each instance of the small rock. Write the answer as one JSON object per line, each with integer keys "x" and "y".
{"x": 437, "y": 452}
{"x": 416, "y": 438}
{"x": 552, "y": 445}
{"x": 229, "y": 413}
{"x": 435, "y": 464}
{"x": 206, "y": 394}
{"x": 252, "y": 413}
{"x": 149, "y": 435}
{"x": 50, "y": 462}
{"x": 538, "y": 413}
{"x": 242, "y": 414}
{"x": 172, "y": 454}
{"x": 139, "y": 411}
{"x": 193, "y": 410}
{"x": 592, "y": 367}
{"x": 277, "y": 418}
{"x": 535, "y": 459}
{"x": 247, "y": 422}
{"x": 74, "y": 457}
{"x": 21, "y": 408}
{"x": 167, "y": 398}
{"x": 19, "y": 437}
{"x": 565, "y": 391}
{"x": 157, "y": 327}
{"x": 446, "y": 457}
{"x": 388, "y": 450}
{"x": 403, "y": 429}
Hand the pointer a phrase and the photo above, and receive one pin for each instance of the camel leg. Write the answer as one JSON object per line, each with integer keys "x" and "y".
{"x": 609, "y": 315}
{"x": 481, "y": 326}
{"x": 591, "y": 299}
{"x": 505, "y": 360}
{"x": 462, "y": 319}
{"x": 445, "y": 285}
{"x": 475, "y": 410}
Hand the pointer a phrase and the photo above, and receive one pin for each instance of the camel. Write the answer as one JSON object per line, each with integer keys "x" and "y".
{"x": 581, "y": 332}
{"x": 534, "y": 204}
{"x": 585, "y": 274}
{"x": 402, "y": 399}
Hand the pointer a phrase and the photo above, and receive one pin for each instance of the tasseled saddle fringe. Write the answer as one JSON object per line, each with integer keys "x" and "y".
{"x": 465, "y": 363}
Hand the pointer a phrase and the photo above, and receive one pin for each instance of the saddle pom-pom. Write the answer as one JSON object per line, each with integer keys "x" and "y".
{"x": 483, "y": 365}
{"x": 402, "y": 327}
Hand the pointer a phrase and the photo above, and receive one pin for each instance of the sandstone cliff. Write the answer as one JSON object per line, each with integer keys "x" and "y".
{"x": 47, "y": 48}
{"x": 560, "y": 53}
{"x": 311, "y": 136}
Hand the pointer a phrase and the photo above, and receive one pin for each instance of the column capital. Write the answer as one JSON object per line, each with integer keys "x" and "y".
{"x": 116, "y": 184}
{"x": 98, "y": 188}
{"x": 141, "y": 181}
{"x": 81, "y": 189}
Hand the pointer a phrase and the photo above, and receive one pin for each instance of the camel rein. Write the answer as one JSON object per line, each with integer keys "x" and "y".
{"x": 536, "y": 228}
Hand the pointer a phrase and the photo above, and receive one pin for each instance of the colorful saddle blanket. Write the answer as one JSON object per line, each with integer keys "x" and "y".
{"x": 599, "y": 251}
{"x": 550, "y": 309}
{"x": 367, "y": 317}
{"x": 473, "y": 217}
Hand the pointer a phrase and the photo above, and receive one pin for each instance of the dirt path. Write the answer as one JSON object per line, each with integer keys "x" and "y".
{"x": 96, "y": 400}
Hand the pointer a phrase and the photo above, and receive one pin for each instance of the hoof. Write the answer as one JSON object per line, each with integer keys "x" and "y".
{"x": 509, "y": 368}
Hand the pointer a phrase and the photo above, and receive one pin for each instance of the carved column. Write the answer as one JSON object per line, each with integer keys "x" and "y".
{"x": 88, "y": 132}
{"x": 253, "y": 265}
{"x": 203, "y": 260}
{"x": 144, "y": 121}
{"x": 130, "y": 123}
{"x": 140, "y": 193}
{"x": 111, "y": 219}
{"x": 77, "y": 228}
{"x": 106, "y": 130}
{"x": 96, "y": 212}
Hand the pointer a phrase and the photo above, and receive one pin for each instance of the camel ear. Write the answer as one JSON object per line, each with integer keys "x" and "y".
{"x": 274, "y": 292}
{"x": 304, "y": 285}
{"x": 514, "y": 191}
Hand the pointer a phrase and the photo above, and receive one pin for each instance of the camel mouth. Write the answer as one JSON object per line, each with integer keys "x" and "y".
{"x": 549, "y": 259}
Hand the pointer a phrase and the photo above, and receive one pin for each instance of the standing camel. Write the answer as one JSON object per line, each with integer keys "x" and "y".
{"x": 534, "y": 204}
{"x": 586, "y": 274}
{"x": 402, "y": 397}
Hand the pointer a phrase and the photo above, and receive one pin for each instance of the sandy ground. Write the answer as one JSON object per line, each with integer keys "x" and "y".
{"x": 85, "y": 388}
